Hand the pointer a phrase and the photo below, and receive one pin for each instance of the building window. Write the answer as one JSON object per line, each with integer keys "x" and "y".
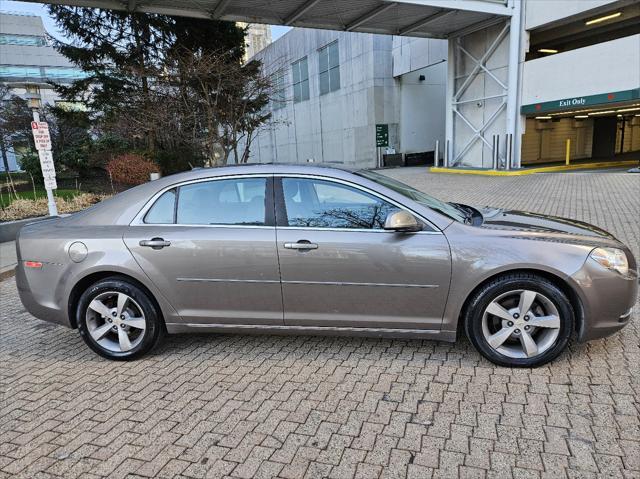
{"x": 64, "y": 73}
{"x": 29, "y": 40}
{"x": 329, "y": 67}
{"x": 41, "y": 73}
{"x": 278, "y": 99}
{"x": 8, "y": 71}
{"x": 300, "y": 80}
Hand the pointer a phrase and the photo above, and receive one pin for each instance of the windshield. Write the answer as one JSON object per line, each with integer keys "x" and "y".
{"x": 415, "y": 195}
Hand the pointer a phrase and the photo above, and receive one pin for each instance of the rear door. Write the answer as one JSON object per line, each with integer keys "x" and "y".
{"x": 340, "y": 268}
{"x": 210, "y": 247}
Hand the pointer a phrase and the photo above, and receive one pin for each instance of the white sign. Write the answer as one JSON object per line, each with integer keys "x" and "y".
{"x": 50, "y": 182}
{"x": 46, "y": 163}
{"x": 40, "y": 130}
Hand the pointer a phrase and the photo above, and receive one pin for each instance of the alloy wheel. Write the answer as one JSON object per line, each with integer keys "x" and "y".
{"x": 521, "y": 324}
{"x": 115, "y": 321}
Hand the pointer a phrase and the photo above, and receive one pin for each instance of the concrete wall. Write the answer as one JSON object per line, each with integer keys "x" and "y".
{"x": 422, "y": 105}
{"x": 422, "y": 102}
{"x": 542, "y": 12}
{"x": 600, "y": 68}
{"x": 338, "y": 127}
{"x": 378, "y": 84}
{"x": 411, "y": 54}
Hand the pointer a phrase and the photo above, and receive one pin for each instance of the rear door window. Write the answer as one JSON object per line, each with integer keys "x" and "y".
{"x": 163, "y": 210}
{"x": 238, "y": 201}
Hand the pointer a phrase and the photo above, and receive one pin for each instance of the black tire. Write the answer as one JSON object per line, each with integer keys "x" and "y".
{"x": 478, "y": 303}
{"x": 151, "y": 335}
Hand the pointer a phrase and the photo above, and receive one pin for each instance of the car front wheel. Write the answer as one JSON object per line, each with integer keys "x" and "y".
{"x": 519, "y": 320}
{"x": 118, "y": 320}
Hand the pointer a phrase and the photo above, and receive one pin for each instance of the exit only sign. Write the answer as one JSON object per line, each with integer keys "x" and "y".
{"x": 581, "y": 101}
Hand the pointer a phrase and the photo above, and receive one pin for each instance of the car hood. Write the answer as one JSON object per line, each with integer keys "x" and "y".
{"x": 524, "y": 221}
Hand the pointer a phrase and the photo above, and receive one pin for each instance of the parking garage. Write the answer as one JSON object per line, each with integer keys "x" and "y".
{"x": 601, "y": 127}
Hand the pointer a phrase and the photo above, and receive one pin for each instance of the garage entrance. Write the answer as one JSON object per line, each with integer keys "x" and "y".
{"x": 602, "y": 127}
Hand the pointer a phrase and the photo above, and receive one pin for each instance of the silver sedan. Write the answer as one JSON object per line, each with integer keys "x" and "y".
{"x": 314, "y": 250}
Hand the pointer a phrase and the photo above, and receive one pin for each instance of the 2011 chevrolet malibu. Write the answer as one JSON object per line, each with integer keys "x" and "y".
{"x": 295, "y": 249}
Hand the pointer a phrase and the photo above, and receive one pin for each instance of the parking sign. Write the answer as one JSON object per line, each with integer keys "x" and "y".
{"x": 46, "y": 163}
{"x": 40, "y": 130}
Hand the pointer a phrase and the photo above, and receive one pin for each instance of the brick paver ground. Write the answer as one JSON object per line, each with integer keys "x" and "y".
{"x": 266, "y": 406}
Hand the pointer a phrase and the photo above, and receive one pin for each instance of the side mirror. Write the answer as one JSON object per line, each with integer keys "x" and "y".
{"x": 402, "y": 221}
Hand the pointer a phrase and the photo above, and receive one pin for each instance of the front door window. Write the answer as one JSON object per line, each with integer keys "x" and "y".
{"x": 315, "y": 203}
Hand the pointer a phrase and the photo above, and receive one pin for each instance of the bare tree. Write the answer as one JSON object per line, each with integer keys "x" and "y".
{"x": 205, "y": 100}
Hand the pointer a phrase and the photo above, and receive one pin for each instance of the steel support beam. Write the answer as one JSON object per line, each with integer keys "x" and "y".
{"x": 370, "y": 16}
{"x": 124, "y": 6}
{"x": 483, "y": 6}
{"x": 478, "y": 133}
{"x": 480, "y": 64}
{"x": 513, "y": 92}
{"x": 425, "y": 21}
{"x": 304, "y": 8}
{"x": 450, "y": 95}
{"x": 220, "y": 8}
{"x": 476, "y": 27}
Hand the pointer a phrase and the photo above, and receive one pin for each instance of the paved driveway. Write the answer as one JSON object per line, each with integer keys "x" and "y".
{"x": 265, "y": 406}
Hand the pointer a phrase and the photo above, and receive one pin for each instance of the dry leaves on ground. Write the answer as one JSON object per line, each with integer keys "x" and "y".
{"x": 20, "y": 209}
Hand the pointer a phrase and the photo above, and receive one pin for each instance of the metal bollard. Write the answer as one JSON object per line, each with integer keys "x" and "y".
{"x": 436, "y": 154}
{"x": 508, "y": 151}
{"x": 494, "y": 153}
{"x": 446, "y": 154}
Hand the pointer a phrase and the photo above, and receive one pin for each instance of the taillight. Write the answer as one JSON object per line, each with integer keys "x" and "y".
{"x": 33, "y": 264}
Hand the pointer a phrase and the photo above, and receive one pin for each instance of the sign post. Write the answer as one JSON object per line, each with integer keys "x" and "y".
{"x": 382, "y": 140}
{"x": 40, "y": 130}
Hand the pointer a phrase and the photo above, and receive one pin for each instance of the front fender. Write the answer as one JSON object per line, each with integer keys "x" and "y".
{"x": 478, "y": 258}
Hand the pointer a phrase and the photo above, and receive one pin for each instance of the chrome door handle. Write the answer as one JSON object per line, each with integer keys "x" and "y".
{"x": 301, "y": 245}
{"x": 155, "y": 243}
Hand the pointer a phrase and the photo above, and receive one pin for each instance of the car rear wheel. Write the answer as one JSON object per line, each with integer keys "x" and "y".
{"x": 118, "y": 320}
{"x": 519, "y": 320}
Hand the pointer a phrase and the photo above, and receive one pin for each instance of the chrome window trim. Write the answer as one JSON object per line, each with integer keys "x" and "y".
{"x": 356, "y": 230}
{"x": 377, "y": 194}
{"x": 138, "y": 220}
{"x": 196, "y": 225}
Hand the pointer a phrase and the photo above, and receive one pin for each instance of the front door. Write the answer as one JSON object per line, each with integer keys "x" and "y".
{"x": 210, "y": 247}
{"x": 340, "y": 268}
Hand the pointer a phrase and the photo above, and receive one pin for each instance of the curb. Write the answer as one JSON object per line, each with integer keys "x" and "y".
{"x": 531, "y": 171}
{"x": 10, "y": 273}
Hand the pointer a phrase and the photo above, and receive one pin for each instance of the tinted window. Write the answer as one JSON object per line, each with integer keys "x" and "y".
{"x": 223, "y": 202}
{"x": 415, "y": 195}
{"x": 325, "y": 204}
{"x": 163, "y": 209}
